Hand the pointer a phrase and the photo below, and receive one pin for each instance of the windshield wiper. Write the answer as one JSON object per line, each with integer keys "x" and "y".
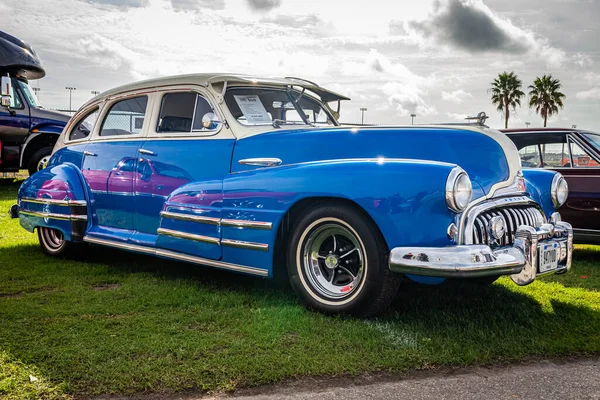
{"x": 278, "y": 122}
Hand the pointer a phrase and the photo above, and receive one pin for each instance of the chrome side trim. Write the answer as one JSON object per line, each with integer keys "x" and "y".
{"x": 178, "y": 256}
{"x": 245, "y": 245}
{"x": 190, "y": 217}
{"x": 188, "y": 236}
{"x": 66, "y": 203}
{"x": 261, "y": 162}
{"x": 247, "y": 224}
{"x": 60, "y": 217}
{"x": 216, "y": 221}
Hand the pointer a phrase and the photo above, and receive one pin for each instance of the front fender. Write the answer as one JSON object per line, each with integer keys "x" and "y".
{"x": 55, "y": 198}
{"x": 405, "y": 198}
{"x": 539, "y": 184}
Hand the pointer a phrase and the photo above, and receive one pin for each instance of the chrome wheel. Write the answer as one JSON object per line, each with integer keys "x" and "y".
{"x": 43, "y": 162}
{"x": 333, "y": 260}
{"x": 52, "y": 240}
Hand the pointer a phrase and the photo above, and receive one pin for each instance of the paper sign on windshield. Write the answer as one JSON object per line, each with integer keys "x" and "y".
{"x": 253, "y": 109}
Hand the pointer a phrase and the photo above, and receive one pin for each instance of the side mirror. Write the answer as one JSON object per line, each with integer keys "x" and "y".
{"x": 6, "y": 91}
{"x": 210, "y": 121}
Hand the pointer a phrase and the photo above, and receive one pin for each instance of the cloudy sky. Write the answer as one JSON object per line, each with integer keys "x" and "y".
{"x": 435, "y": 58}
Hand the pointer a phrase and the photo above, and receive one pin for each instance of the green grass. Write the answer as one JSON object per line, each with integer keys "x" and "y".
{"x": 123, "y": 323}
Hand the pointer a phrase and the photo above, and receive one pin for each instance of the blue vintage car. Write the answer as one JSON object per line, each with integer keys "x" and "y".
{"x": 253, "y": 175}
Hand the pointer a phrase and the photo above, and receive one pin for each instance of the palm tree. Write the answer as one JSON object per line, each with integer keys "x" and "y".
{"x": 544, "y": 95}
{"x": 506, "y": 93}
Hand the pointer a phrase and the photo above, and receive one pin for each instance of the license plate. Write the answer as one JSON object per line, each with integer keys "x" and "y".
{"x": 548, "y": 257}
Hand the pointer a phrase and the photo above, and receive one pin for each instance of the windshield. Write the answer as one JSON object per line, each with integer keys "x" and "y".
{"x": 266, "y": 106}
{"x": 594, "y": 139}
{"x": 28, "y": 91}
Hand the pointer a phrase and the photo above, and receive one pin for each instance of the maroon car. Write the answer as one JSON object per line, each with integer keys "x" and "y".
{"x": 575, "y": 154}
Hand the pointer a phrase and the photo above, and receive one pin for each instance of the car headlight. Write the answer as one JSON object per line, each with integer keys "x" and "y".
{"x": 458, "y": 190}
{"x": 559, "y": 190}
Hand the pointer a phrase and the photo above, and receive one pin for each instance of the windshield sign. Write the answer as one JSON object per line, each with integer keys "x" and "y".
{"x": 265, "y": 106}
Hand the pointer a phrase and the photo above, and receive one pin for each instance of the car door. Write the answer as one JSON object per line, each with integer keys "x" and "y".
{"x": 109, "y": 166}
{"x": 180, "y": 152}
{"x": 582, "y": 208}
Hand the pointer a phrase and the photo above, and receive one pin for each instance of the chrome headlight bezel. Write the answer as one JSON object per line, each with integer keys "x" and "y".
{"x": 559, "y": 190}
{"x": 459, "y": 190}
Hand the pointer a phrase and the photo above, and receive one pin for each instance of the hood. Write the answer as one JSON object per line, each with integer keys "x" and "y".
{"x": 43, "y": 114}
{"x": 488, "y": 156}
{"x": 17, "y": 57}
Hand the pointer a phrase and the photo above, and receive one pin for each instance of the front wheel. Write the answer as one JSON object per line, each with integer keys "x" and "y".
{"x": 39, "y": 159}
{"x": 53, "y": 243}
{"x": 337, "y": 262}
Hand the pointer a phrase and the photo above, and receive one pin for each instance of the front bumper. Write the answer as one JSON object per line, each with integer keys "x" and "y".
{"x": 520, "y": 260}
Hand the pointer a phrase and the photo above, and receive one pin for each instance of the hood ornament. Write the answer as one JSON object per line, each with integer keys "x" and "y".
{"x": 479, "y": 119}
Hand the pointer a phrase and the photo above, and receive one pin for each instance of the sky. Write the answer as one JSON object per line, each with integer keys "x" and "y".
{"x": 434, "y": 58}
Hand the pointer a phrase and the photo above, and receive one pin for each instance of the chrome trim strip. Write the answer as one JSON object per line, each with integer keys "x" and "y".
{"x": 247, "y": 224}
{"x": 60, "y": 217}
{"x": 188, "y": 236}
{"x": 261, "y": 162}
{"x": 190, "y": 217}
{"x": 179, "y": 256}
{"x": 54, "y": 202}
{"x": 245, "y": 245}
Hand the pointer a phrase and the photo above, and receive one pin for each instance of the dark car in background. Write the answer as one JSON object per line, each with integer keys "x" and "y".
{"x": 576, "y": 155}
{"x": 28, "y": 132}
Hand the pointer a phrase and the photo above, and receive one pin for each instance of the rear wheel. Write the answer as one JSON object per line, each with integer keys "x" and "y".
{"x": 53, "y": 243}
{"x": 39, "y": 159}
{"x": 337, "y": 262}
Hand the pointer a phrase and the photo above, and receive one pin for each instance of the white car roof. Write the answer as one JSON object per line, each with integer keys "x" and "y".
{"x": 215, "y": 78}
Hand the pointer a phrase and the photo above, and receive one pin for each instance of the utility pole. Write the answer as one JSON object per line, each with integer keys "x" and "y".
{"x": 527, "y": 124}
{"x": 412, "y": 118}
{"x": 70, "y": 89}
{"x": 363, "y": 110}
{"x": 36, "y": 90}
{"x": 95, "y": 93}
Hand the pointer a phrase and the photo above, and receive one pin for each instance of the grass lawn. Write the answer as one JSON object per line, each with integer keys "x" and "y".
{"x": 123, "y": 323}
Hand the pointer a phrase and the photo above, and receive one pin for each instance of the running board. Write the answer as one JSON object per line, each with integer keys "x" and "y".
{"x": 177, "y": 256}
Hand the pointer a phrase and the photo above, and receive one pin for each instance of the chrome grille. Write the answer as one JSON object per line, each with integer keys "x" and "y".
{"x": 514, "y": 216}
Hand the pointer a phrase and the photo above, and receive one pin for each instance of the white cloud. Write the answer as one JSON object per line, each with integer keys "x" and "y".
{"x": 591, "y": 94}
{"x": 456, "y": 96}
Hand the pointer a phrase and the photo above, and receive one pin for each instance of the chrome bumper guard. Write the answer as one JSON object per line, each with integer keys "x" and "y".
{"x": 520, "y": 260}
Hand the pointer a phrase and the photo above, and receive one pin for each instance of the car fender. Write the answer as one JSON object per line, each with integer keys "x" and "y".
{"x": 56, "y": 198}
{"x": 405, "y": 198}
{"x": 539, "y": 183}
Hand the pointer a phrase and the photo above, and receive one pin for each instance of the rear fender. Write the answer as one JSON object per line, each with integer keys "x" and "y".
{"x": 55, "y": 198}
{"x": 405, "y": 198}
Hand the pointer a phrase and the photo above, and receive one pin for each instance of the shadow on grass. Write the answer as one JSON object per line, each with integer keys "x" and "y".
{"x": 427, "y": 325}
{"x": 9, "y": 189}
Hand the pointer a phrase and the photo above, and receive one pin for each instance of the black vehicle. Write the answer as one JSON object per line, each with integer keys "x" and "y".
{"x": 28, "y": 132}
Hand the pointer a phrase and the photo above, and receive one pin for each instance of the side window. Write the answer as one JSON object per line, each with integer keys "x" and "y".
{"x": 182, "y": 112}
{"x": 555, "y": 155}
{"x": 85, "y": 126}
{"x": 126, "y": 165}
{"x": 15, "y": 100}
{"x": 530, "y": 156}
{"x": 125, "y": 117}
{"x": 581, "y": 158}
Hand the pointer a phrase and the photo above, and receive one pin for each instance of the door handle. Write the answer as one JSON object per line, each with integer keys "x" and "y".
{"x": 147, "y": 152}
{"x": 89, "y": 154}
